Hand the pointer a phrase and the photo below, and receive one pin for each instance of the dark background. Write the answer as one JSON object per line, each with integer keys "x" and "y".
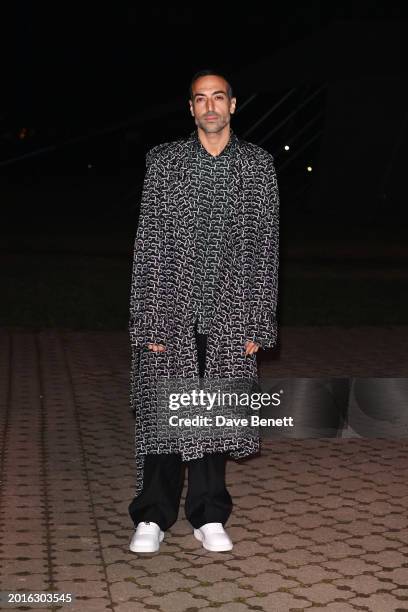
{"x": 86, "y": 91}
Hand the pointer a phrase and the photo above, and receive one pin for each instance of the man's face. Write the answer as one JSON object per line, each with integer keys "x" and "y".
{"x": 210, "y": 105}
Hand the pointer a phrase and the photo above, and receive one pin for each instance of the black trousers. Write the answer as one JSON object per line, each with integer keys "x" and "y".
{"x": 207, "y": 499}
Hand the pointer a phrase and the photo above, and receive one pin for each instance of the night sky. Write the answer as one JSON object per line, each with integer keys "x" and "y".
{"x": 78, "y": 79}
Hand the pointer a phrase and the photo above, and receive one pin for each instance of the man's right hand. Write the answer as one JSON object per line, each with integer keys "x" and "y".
{"x": 156, "y": 347}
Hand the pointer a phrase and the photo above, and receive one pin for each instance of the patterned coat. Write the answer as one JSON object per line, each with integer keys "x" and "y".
{"x": 162, "y": 287}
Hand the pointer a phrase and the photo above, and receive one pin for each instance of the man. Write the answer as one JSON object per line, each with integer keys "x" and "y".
{"x": 203, "y": 301}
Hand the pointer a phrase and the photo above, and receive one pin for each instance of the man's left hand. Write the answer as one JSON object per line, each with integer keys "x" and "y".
{"x": 251, "y": 347}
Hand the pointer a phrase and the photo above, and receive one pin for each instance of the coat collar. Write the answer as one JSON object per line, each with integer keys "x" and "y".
{"x": 197, "y": 145}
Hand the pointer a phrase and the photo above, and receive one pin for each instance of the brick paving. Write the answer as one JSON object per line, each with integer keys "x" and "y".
{"x": 317, "y": 524}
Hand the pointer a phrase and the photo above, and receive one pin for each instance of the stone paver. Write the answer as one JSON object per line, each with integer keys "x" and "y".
{"x": 318, "y": 523}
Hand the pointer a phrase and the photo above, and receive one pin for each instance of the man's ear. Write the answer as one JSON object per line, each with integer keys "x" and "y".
{"x": 233, "y": 105}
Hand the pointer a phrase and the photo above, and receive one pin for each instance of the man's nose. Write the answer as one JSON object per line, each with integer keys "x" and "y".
{"x": 210, "y": 105}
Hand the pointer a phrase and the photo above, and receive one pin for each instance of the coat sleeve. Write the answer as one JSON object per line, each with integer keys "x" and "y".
{"x": 262, "y": 323}
{"x": 146, "y": 322}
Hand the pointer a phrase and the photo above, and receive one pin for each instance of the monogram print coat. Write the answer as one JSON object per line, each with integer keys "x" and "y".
{"x": 166, "y": 250}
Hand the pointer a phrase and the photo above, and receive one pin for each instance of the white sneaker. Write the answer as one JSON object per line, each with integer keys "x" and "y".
{"x": 147, "y": 537}
{"x": 214, "y": 537}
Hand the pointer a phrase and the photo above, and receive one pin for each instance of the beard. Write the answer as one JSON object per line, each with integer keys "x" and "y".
{"x": 211, "y": 127}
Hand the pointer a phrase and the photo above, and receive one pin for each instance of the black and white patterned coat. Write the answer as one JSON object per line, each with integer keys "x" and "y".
{"x": 162, "y": 286}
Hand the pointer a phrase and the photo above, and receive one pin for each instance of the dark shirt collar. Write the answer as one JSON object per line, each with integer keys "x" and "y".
{"x": 227, "y": 150}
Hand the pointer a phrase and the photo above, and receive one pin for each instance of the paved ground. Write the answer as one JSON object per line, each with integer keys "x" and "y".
{"x": 318, "y": 524}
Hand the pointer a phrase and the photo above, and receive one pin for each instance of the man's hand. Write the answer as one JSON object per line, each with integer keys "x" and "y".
{"x": 251, "y": 347}
{"x": 156, "y": 347}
